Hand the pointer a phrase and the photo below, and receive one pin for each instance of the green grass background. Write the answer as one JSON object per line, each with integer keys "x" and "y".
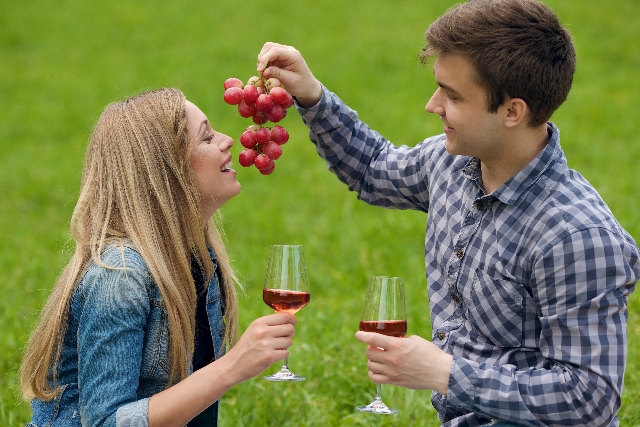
{"x": 63, "y": 61}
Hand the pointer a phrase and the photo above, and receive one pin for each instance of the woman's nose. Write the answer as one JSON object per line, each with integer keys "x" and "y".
{"x": 226, "y": 142}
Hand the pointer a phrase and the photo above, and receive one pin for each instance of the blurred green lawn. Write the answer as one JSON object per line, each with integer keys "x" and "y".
{"x": 63, "y": 61}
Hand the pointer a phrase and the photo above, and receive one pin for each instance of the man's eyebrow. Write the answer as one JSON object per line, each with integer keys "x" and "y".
{"x": 447, "y": 88}
{"x": 444, "y": 85}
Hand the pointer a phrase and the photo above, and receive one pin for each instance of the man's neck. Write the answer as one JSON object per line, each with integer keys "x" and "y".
{"x": 522, "y": 147}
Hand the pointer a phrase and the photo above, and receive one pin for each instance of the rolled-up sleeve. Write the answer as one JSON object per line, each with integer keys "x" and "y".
{"x": 134, "y": 414}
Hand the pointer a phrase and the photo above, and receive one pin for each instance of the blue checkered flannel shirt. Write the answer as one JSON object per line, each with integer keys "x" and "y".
{"x": 528, "y": 286}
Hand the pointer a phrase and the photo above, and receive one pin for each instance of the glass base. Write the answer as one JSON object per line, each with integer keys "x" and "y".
{"x": 377, "y": 407}
{"x": 284, "y": 374}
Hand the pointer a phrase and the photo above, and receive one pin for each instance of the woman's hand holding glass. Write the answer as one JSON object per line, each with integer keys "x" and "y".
{"x": 264, "y": 342}
{"x": 286, "y": 289}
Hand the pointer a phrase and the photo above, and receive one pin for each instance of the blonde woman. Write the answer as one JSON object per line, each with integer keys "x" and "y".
{"x": 135, "y": 330}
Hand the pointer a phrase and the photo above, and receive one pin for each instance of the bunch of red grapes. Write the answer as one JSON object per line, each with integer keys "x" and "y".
{"x": 263, "y": 101}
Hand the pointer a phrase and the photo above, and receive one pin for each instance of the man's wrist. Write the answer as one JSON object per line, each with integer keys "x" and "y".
{"x": 314, "y": 96}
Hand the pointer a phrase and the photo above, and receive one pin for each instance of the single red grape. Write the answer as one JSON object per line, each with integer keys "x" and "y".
{"x": 233, "y": 95}
{"x": 262, "y": 135}
{"x": 250, "y": 94}
{"x": 247, "y": 157}
{"x": 268, "y": 169}
{"x": 272, "y": 149}
{"x": 232, "y": 82}
{"x": 263, "y": 103}
{"x": 289, "y": 101}
{"x": 248, "y": 138}
{"x": 279, "y": 134}
{"x": 262, "y": 161}
{"x": 278, "y": 95}
{"x": 245, "y": 109}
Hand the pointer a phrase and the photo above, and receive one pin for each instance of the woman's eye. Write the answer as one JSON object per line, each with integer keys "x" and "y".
{"x": 208, "y": 137}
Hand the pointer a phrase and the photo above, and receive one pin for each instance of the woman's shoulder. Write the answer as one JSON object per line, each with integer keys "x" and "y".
{"x": 121, "y": 267}
{"x": 121, "y": 254}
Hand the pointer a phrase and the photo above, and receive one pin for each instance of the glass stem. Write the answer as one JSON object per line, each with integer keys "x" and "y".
{"x": 285, "y": 364}
{"x": 378, "y": 391}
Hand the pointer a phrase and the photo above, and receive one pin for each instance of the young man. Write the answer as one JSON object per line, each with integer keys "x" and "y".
{"x": 529, "y": 272}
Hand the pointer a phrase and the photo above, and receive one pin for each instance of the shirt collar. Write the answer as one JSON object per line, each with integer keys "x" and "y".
{"x": 510, "y": 191}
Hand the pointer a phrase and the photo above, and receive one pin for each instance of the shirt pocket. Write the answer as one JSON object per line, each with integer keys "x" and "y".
{"x": 494, "y": 309}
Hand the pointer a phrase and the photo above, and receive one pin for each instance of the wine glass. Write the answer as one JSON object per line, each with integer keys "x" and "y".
{"x": 384, "y": 313}
{"x": 286, "y": 288}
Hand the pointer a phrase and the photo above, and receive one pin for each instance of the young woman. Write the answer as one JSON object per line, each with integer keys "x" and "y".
{"x": 135, "y": 330}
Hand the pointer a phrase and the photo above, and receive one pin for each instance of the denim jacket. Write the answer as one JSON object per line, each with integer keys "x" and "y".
{"x": 114, "y": 355}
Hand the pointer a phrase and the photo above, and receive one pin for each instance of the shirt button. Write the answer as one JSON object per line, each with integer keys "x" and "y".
{"x": 441, "y": 335}
{"x": 456, "y": 298}
{"x": 479, "y": 206}
{"x": 459, "y": 253}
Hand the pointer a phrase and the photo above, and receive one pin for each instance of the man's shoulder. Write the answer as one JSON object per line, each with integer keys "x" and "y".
{"x": 570, "y": 204}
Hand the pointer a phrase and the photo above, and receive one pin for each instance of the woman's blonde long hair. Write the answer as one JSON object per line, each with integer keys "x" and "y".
{"x": 137, "y": 184}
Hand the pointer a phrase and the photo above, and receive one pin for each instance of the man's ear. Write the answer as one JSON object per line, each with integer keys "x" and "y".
{"x": 517, "y": 111}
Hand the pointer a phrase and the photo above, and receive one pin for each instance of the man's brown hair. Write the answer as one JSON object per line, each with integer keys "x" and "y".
{"x": 518, "y": 48}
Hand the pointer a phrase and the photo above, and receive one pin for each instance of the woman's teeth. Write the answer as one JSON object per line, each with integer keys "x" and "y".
{"x": 226, "y": 167}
